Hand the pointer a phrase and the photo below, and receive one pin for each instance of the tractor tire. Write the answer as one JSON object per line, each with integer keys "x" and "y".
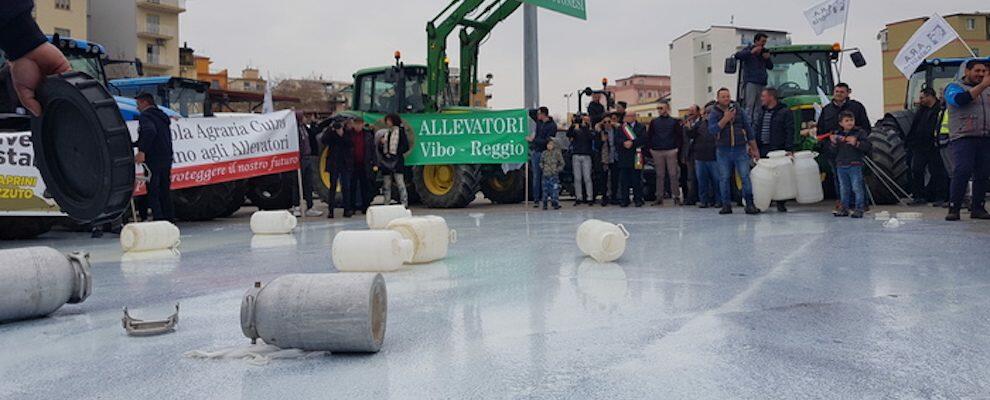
{"x": 505, "y": 188}
{"x": 203, "y": 203}
{"x": 237, "y": 198}
{"x": 447, "y": 186}
{"x": 272, "y": 192}
{"x": 23, "y": 228}
{"x": 890, "y": 155}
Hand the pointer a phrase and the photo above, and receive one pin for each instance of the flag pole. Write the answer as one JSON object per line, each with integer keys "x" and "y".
{"x": 969, "y": 49}
{"x": 845, "y": 30}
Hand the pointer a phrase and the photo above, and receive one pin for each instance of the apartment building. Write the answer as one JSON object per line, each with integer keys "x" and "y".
{"x": 144, "y": 29}
{"x": 67, "y": 18}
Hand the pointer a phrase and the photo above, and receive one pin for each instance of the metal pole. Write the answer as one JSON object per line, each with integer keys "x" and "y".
{"x": 303, "y": 207}
{"x": 531, "y": 57}
{"x": 845, "y": 29}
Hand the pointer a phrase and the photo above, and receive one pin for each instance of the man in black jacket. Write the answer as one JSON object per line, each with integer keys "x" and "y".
{"x": 31, "y": 57}
{"x": 155, "y": 150}
{"x": 664, "y": 139}
{"x": 828, "y": 122}
{"x": 923, "y": 147}
{"x": 582, "y": 138}
{"x": 340, "y": 167}
{"x": 756, "y": 60}
{"x": 774, "y": 127}
{"x": 596, "y": 109}
{"x": 632, "y": 135}
{"x": 546, "y": 130}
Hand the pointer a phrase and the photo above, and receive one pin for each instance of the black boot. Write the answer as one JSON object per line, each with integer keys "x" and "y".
{"x": 953, "y": 214}
{"x": 752, "y": 210}
{"x": 781, "y": 206}
{"x": 726, "y": 210}
{"x": 979, "y": 213}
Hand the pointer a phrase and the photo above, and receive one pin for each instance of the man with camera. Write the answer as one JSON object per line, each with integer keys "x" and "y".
{"x": 735, "y": 148}
{"x": 582, "y": 138}
{"x": 756, "y": 61}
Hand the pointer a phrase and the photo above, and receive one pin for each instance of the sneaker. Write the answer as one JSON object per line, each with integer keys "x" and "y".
{"x": 858, "y": 214}
{"x": 841, "y": 213}
{"x": 702, "y": 205}
{"x": 980, "y": 214}
{"x": 313, "y": 213}
{"x": 536, "y": 205}
{"x": 752, "y": 210}
{"x": 953, "y": 215}
{"x": 725, "y": 211}
{"x": 556, "y": 206}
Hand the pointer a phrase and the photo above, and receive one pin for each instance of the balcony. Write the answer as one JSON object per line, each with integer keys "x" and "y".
{"x": 169, "y": 6}
{"x": 155, "y": 31}
{"x": 158, "y": 62}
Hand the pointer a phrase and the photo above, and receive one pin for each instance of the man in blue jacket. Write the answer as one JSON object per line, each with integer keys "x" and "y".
{"x": 546, "y": 130}
{"x": 31, "y": 57}
{"x": 155, "y": 150}
{"x": 735, "y": 148}
{"x": 756, "y": 62}
{"x": 968, "y": 102}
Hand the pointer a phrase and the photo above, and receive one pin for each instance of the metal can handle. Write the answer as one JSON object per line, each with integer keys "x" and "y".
{"x": 622, "y": 228}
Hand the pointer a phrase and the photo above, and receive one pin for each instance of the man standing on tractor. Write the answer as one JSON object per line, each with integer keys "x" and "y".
{"x": 756, "y": 62}
{"x": 774, "y": 128}
{"x": 969, "y": 125}
{"x": 736, "y": 147}
{"x": 923, "y": 148}
{"x": 596, "y": 109}
{"x": 546, "y": 130}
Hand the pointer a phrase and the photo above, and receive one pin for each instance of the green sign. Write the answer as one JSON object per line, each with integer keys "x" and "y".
{"x": 480, "y": 137}
{"x": 574, "y": 8}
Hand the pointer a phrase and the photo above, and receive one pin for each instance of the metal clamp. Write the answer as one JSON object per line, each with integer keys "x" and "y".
{"x": 82, "y": 286}
{"x": 137, "y": 327}
{"x": 453, "y": 236}
{"x": 248, "y": 326}
{"x": 624, "y": 231}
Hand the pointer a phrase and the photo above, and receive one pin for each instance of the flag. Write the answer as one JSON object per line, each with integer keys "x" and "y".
{"x": 933, "y": 35}
{"x": 827, "y": 14}
{"x": 631, "y": 135}
{"x": 268, "y": 106}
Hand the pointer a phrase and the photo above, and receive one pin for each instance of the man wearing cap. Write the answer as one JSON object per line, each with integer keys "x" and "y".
{"x": 968, "y": 102}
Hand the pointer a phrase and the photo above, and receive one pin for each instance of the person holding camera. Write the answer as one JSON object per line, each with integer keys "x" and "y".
{"x": 735, "y": 149}
{"x": 392, "y": 145}
{"x": 756, "y": 60}
{"x": 582, "y": 138}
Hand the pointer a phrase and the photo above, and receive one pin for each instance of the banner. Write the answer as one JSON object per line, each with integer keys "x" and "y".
{"x": 22, "y": 192}
{"x": 574, "y": 8}
{"x": 933, "y": 35}
{"x": 827, "y": 14}
{"x": 483, "y": 137}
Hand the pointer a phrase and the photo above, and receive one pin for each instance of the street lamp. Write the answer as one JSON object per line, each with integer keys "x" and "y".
{"x": 567, "y": 99}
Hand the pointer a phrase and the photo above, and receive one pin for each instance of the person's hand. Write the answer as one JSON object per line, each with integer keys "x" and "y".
{"x": 852, "y": 140}
{"x": 754, "y": 153}
{"x": 766, "y": 55}
{"x": 530, "y": 138}
{"x": 29, "y": 71}
{"x": 627, "y": 144}
{"x": 834, "y": 138}
{"x": 757, "y": 49}
{"x": 139, "y": 158}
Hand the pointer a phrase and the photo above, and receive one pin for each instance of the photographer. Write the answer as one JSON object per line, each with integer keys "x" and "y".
{"x": 756, "y": 62}
{"x": 582, "y": 138}
{"x": 735, "y": 148}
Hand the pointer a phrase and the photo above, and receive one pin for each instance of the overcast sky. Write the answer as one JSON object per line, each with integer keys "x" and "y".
{"x": 334, "y": 38}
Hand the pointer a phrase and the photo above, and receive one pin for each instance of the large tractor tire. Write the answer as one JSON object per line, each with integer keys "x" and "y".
{"x": 890, "y": 155}
{"x": 272, "y": 192}
{"x": 237, "y": 198}
{"x": 505, "y": 188}
{"x": 23, "y": 228}
{"x": 447, "y": 186}
{"x": 204, "y": 203}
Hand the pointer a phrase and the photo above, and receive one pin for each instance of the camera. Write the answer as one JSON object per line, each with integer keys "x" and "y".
{"x": 336, "y": 126}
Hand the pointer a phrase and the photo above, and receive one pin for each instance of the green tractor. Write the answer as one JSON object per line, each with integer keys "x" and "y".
{"x": 405, "y": 89}
{"x": 802, "y": 74}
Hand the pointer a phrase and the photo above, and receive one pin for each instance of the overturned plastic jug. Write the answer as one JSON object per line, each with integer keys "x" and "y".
{"x": 39, "y": 280}
{"x": 149, "y": 236}
{"x": 370, "y": 251}
{"x": 430, "y": 236}
{"x": 318, "y": 312}
{"x": 603, "y": 241}
{"x": 380, "y": 216}
{"x": 273, "y": 222}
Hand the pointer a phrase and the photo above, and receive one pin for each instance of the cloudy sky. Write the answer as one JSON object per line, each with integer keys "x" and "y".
{"x": 334, "y": 38}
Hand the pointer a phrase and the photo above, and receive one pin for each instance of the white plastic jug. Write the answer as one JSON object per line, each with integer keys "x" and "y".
{"x": 273, "y": 222}
{"x": 762, "y": 178}
{"x": 603, "y": 241}
{"x": 370, "y": 251}
{"x": 809, "y": 181}
{"x": 430, "y": 236}
{"x": 785, "y": 187}
{"x": 380, "y": 216}
{"x": 147, "y": 236}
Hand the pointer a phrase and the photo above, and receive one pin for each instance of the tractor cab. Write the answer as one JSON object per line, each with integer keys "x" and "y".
{"x": 188, "y": 97}
{"x": 395, "y": 89}
{"x": 936, "y": 74}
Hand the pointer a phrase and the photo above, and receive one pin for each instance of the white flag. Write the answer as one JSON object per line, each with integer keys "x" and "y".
{"x": 268, "y": 106}
{"x": 828, "y": 14}
{"x": 935, "y": 34}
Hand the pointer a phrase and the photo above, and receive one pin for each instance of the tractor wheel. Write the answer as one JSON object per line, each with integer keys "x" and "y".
{"x": 204, "y": 203}
{"x": 237, "y": 197}
{"x": 272, "y": 192}
{"x": 23, "y": 228}
{"x": 447, "y": 186}
{"x": 890, "y": 155}
{"x": 505, "y": 188}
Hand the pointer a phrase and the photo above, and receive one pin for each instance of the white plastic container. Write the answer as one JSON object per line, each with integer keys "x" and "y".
{"x": 273, "y": 222}
{"x": 430, "y": 237}
{"x": 318, "y": 312}
{"x": 603, "y": 241}
{"x": 910, "y": 216}
{"x": 786, "y": 187}
{"x": 380, "y": 216}
{"x": 370, "y": 251}
{"x": 36, "y": 281}
{"x": 809, "y": 180}
{"x": 148, "y": 236}
{"x": 764, "y": 184}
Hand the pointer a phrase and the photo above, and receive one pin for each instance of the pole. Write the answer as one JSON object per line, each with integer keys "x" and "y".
{"x": 299, "y": 181}
{"x": 531, "y": 57}
{"x": 845, "y": 30}
{"x": 969, "y": 49}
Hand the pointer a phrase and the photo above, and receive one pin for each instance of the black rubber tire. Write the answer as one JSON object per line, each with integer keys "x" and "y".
{"x": 236, "y": 200}
{"x": 23, "y": 228}
{"x": 890, "y": 155}
{"x": 504, "y": 188}
{"x": 466, "y": 181}
{"x": 83, "y": 148}
{"x": 203, "y": 203}
{"x": 272, "y": 192}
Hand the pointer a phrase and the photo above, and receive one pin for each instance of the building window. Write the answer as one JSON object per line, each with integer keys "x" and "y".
{"x": 153, "y": 21}
{"x": 709, "y": 70}
{"x": 971, "y": 24}
{"x": 709, "y": 89}
{"x": 63, "y": 5}
{"x": 62, "y": 32}
{"x": 709, "y": 47}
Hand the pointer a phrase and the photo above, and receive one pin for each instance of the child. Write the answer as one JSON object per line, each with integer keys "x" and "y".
{"x": 552, "y": 163}
{"x": 850, "y": 146}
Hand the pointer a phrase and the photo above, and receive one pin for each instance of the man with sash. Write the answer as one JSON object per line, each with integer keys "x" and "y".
{"x": 630, "y": 160}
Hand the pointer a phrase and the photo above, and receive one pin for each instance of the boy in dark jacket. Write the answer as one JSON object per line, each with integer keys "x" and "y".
{"x": 850, "y": 146}
{"x": 551, "y": 163}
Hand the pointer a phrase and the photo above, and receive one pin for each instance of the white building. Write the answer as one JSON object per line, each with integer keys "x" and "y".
{"x": 697, "y": 62}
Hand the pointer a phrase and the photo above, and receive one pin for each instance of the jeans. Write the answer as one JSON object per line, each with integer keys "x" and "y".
{"x": 736, "y": 158}
{"x": 691, "y": 182}
{"x": 630, "y": 178}
{"x": 534, "y": 158}
{"x": 400, "y": 181}
{"x": 361, "y": 190}
{"x": 581, "y": 166}
{"x": 342, "y": 178}
{"x": 308, "y": 168}
{"x": 708, "y": 179}
{"x": 923, "y": 160}
{"x": 551, "y": 190}
{"x": 970, "y": 159}
{"x": 751, "y": 98}
{"x": 665, "y": 162}
{"x": 850, "y": 183}
{"x": 159, "y": 194}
